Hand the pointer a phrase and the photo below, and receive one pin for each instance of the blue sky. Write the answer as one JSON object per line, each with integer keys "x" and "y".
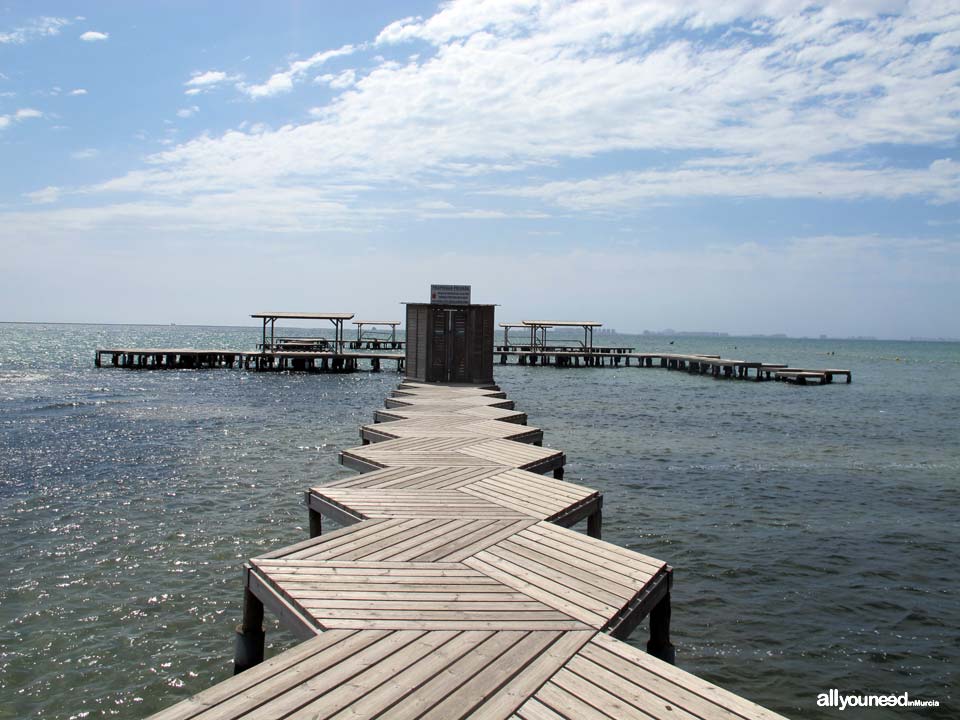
{"x": 743, "y": 166}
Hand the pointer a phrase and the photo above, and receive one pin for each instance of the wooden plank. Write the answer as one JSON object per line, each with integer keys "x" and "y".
{"x": 508, "y": 504}
{"x": 379, "y": 546}
{"x": 567, "y": 705}
{"x": 614, "y": 553}
{"x": 330, "y": 544}
{"x": 417, "y": 547}
{"x": 482, "y": 686}
{"x": 533, "y": 709}
{"x": 375, "y": 676}
{"x": 259, "y": 674}
{"x": 619, "y": 574}
{"x": 634, "y": 661}
{"x": 303, "y": 693}
{"x": 548, "y": 592}
{"x": 674, "y": 700}
{"x": 603, "y": 594}
{"x": 296, "y": 548}
{"x": 234, "y": 699}
{"x": 612, "y": 705}
{"x": 524, "y": 684}
{"x": 395, "y": 624}
{"x": 392, "y": 693}
{"x": 439, "y": 687}
{"x": 467, "y": 547}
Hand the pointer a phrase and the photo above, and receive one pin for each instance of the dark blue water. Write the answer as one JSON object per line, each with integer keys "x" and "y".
{"x": 813, "y": 531}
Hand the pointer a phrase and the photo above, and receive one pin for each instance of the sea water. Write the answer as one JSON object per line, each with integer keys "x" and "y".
{"x": 813, "y": 530}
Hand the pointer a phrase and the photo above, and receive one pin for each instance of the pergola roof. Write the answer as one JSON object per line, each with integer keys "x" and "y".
{"x": 302, "y": 316}
{"x": 376, "y": 322}
{"x": 562, "y": 323}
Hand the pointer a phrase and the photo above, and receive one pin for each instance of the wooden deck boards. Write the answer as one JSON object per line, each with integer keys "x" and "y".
{"x": 453, "y": 451}
{"x": 485, "y": 412}
{"x": 454, "y": 589}
{"x": 450, "y": 674}
{"x": 445, "y": 425}
{"x": 541, "y": 577}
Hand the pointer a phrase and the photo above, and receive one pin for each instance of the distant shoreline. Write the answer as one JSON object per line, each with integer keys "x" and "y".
{"x": 643, "y": 333}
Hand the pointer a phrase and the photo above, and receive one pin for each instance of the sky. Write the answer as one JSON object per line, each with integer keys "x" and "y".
{"x": 744, "y": 166}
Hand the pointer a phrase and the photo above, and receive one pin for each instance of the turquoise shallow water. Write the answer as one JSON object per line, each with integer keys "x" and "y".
{"x": 813, "y": 530}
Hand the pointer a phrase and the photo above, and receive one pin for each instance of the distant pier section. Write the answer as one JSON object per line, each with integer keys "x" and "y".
{"x": 276, "y": 352}
{"x": 533, "y": 348}
{"x": 376, "y": 344}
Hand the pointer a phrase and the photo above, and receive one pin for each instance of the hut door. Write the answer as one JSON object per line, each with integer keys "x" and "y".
{"x": 448, "y": 351}
{"x": 457, "y": 344}
{"x": 438, "y": 346}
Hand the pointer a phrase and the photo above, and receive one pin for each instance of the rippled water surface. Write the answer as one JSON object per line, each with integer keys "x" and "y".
{"x": 813, "y": 531}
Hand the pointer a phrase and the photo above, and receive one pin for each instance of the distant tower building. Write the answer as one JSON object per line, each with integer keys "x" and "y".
{"x": 449, "y": 339}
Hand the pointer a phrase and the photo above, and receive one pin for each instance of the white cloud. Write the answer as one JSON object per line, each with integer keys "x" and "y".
{"x": 340, "y": 80}
{"x": 46, "y": 195}
{"x": 78, "y": 91}
{"x": 85, "y": 154}
{"x": 94, "y": 36}
{"x": 283, "y": 82}
{"x": 204, "y": 81}
{"x": 18, "y": 116}
{"x": 211, "y": 77}
{"x": 511, "y": 88}
{"x": 293, "y": 209}
{"x": 739, "y": 99}
{"x": 38, "y": 28}
{"x": 188, "y": 111}
{"x": 940, "y": 181}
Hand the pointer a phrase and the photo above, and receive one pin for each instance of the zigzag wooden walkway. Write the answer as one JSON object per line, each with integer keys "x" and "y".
{"x": 455, "y": 590}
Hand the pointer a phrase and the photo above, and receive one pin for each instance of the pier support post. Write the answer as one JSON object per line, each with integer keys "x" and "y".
{"x": 316, "y": 521}
{"x": 659, "y": 644}
{"x": 250, "y": 635}
{"x": 595, "y": 522}
{"x": 558, "y": 473}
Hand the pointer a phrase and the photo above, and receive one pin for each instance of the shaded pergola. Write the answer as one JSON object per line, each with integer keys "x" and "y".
{"x": 507, "y": 327}
{"x": 538, "y": 330}
{"x": 392, "y": 324}
{"x": 270, "y": 318}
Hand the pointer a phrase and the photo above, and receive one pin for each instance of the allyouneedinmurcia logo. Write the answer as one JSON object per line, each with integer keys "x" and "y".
{"x": 833, "y": 698}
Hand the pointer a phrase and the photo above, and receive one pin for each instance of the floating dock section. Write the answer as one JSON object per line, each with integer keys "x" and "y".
{"x": 456, "y": 589}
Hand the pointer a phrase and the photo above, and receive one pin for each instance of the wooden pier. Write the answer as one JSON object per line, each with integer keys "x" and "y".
{"x": 259, "y": 360}
{"x": 535, "y": 349}
{"x": 712, "y": 365}
{"x": 455, "y": 589}
{"x": 274, "y": 352}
